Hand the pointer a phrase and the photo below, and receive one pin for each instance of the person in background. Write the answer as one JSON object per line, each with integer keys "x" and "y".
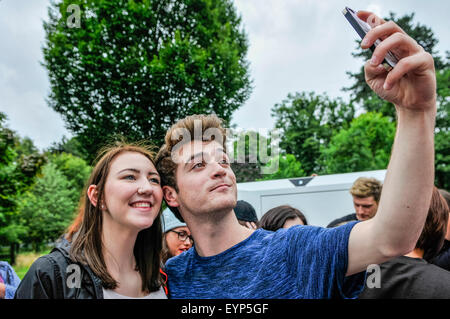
{"x": 177, "y": 237}
{"x": 366, "y": 193}
{"x": 411, "y": 276}
{"x": 443, "y": 258}
{"x": 113, "y": 249}
{"x": 8, "y": 281}
{"x": 283, "y": 216}
{"x": 246, "y": 214}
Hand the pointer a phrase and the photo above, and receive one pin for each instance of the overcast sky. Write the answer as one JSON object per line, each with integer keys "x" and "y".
{"x": 295, "y": 46}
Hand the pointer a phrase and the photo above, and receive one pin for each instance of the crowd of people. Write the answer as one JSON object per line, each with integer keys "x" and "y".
{"x": 206, "y": 244}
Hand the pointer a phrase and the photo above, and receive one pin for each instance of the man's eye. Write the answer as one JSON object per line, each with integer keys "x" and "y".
{"x": 198, "y": 165}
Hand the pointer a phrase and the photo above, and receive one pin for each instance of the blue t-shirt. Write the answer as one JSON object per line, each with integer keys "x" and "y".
{"x": 298, "y": 262}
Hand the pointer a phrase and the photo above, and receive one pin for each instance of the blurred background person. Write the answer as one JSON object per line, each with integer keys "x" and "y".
{"x": 443, "y": 258}
{"x": 283, "y": 216}
{"x": 246, "y": 214}
{"x": 366, "y": 194}
{"x": 8, "y": 281}
{"x": 177, "y": 237}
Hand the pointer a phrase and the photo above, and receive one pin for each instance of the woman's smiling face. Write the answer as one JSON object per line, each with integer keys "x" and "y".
{"x": 133, "y": 192}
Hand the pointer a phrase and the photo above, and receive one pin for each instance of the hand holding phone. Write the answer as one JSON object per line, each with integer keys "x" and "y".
{"x": 362, "y": 27}
{"x": 410, "y": 82}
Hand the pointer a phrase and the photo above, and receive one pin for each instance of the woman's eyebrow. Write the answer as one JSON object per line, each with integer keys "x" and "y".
{"x": 135, "y": 170}
{"x": 129, "y": 169}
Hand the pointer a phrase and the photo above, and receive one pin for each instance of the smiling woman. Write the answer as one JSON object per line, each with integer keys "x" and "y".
{"x": 112, "y": 249}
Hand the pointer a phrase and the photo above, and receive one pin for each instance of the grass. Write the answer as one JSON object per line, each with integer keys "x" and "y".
{"x": 24, "y": 261}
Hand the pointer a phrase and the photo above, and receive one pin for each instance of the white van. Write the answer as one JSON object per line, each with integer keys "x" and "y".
{"x": 320, "y": 198}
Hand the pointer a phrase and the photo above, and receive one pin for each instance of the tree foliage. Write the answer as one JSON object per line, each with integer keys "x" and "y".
{"x": 307, "y": 122}
{"x": 48, "y": 207}
{"x": 365, "y": 145}
{"x": 20, "y": 161}
{"x": 288, "y": 167}
{"x": 134, "y": 67}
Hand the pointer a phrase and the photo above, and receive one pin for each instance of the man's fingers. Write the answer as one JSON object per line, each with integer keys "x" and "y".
{"x": 374, "y": 71}
{"x": 382, "y": 31}
{"x": 418, "y": 63}
{"x": 397, "y": 41}
{"x": 370, "y": 18}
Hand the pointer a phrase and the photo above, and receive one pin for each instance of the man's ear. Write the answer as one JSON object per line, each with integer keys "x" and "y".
{"x": 92, "y": 193}
{"x": 171, "y": 196}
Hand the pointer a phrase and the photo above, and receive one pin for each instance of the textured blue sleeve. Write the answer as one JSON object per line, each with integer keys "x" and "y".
{"x": 318, "y": 259}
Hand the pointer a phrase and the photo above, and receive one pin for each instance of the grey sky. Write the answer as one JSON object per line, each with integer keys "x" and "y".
{"x": 295, "y": 45}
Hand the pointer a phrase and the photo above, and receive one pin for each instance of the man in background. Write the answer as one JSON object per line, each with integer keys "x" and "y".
{"x": 366, "y": 193}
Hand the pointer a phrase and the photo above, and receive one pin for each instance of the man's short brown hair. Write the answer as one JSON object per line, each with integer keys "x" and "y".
{"x": 185, "y": 131}
{"x": 366, "y": 187}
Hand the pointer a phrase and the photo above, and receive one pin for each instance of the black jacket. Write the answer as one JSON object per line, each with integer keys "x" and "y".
{"x": 443, "y": 258}
{"x": 56, "y": 276}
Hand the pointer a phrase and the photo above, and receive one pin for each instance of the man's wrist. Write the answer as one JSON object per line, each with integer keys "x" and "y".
{"x": 409, "y": 114}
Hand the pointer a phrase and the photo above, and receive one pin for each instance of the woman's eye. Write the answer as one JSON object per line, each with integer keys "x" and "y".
{"x": 130, "y": 177}
{"x": 154, "y": 180}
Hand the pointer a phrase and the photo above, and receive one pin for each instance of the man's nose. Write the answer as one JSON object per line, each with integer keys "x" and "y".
{"x": 218, "y": 170}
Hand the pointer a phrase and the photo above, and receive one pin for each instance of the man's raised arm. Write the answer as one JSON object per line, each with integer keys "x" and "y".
{"x": 407, "y": 188}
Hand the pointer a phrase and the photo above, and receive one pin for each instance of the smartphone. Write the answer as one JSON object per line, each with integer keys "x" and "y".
{"x": 361, "y": 27}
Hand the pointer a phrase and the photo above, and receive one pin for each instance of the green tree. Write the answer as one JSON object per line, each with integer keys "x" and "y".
{"x": 48, "y": 207}
{"x": 307, "y": 122}
{"x": 20, "y": 161}
{"x": 134, "y": 67}
{"x": 365, "y": 145}
{"x": 75, "y": 169}
{"x": 288, "y": 167}
{"x": 69, "y": 146}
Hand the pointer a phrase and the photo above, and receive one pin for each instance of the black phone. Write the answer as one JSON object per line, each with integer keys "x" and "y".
{"x": 361, "y": 27}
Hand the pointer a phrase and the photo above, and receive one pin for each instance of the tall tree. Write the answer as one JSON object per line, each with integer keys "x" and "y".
{"x": 20, "y": 161}
{"x": 288, "y": 167}
{"x": 134, "y": 67}
{"x": 307, "y": 122}
{"x": 48, "y": 207}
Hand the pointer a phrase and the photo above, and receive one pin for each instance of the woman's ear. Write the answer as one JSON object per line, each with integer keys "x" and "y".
{"x": 171, "y": 196}
{"x": 92, "y": 193}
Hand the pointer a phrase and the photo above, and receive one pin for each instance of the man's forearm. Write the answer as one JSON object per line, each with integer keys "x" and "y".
{"x": 408, "y": 184}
